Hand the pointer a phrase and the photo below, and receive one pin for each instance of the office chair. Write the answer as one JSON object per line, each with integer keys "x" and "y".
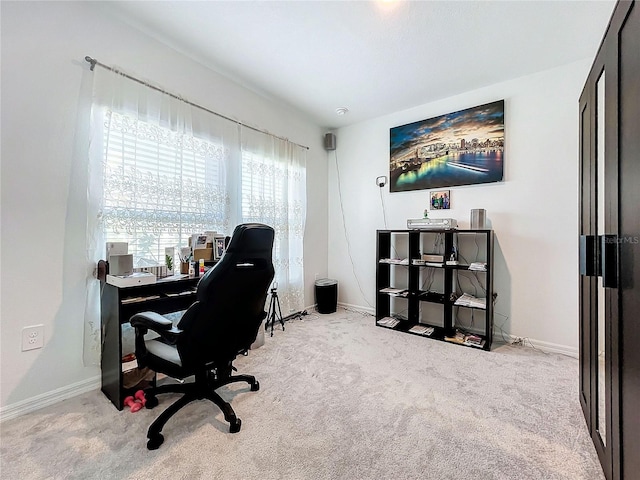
{"x": 222, "y": 323}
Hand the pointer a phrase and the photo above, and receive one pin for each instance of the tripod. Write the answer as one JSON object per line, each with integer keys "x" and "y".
{"x": 274, "y": 315}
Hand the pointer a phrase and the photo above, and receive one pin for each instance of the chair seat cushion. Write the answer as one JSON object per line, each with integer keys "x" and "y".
{"x": 165, "y": 358}
{"x": 164, "y": 351}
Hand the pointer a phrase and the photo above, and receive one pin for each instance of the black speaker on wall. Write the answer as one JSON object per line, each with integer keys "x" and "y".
{"x": 329, "y": 141}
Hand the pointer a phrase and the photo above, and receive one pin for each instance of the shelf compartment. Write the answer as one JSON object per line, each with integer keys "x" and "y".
{"x": 467, "y": 306}
{"x": 437, "y": 334}
{"x": 432, "y": 297}
{"x": 405, "y": 326}
{"x": 468, "y": 340}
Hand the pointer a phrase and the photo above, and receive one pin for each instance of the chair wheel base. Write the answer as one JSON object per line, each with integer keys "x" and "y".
{"x": 155, "y": 441}
{"x": 234, "y": 427}
{"x": 255, "y": 386}
{"x": 152, "y": 402}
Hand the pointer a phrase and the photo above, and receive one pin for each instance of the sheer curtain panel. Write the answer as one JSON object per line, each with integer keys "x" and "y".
{"x": 274, "y": 192}
{"x": 161, "y": 169}
{"x": 158, "y": 172}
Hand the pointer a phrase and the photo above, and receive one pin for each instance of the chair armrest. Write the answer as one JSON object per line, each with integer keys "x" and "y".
{"x": 152, "y": 321}
{"x": 145, "y": 321}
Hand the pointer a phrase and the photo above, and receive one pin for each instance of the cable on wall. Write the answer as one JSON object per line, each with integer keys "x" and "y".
{"x": 93, "y": 62}
{"x": 344, "y": 228}
{"x": 384, "y": 213}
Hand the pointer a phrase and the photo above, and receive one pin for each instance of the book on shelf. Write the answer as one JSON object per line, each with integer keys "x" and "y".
{"x": 473, "y": 340}
{"x": 464, "y": 338}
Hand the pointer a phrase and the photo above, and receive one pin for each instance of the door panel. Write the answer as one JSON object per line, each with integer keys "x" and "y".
{"x": 610, "y": 270}
{"x": 629, "y": 242}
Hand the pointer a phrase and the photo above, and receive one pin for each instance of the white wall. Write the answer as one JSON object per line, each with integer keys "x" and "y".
{"x": 534, "y": 212}
{"x": 43, "y": 209}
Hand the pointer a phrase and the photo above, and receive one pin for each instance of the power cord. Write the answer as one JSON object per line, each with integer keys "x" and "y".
{"x": 346, "y": 237}
{"x": 384, "y": 213}
{"x": 355, "y": 310}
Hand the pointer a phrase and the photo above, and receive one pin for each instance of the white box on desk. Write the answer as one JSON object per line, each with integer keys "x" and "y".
{"x": 135, "y": 279}
{"x": 160, "y": 271}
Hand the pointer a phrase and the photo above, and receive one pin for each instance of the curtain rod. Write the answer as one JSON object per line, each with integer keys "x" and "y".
{"x": 95, "y": 62}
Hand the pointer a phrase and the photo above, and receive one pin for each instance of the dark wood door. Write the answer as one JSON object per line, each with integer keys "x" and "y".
{"x": 629, "y": 221}
{"x": 609, "y": 119}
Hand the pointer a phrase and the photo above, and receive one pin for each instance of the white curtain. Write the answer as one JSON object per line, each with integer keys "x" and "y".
{"x": 274, "y": 192}
{"x": 160, "y": 170}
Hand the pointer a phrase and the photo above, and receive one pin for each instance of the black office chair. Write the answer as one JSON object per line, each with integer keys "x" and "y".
{"x": 222, "y": 323}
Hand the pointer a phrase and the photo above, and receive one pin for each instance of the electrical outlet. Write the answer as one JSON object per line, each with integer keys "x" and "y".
{"x": 32, "y": 337}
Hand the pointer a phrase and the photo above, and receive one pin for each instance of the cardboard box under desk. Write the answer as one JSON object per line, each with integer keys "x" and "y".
{"x": 202, "y": 253}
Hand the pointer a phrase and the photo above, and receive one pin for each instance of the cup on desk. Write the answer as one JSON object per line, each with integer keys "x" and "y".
{"x": 184, "y": 267}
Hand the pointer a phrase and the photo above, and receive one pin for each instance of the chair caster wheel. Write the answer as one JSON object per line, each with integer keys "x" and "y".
{"x": 234, "y": 427}
{"x": 155, "y": 441}
{"x": 255, "y": 386}
{"x": 151, "y": 403}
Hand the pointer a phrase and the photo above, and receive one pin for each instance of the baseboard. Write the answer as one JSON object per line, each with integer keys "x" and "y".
{"x": 547, "y": 347}
{"x": 44, "y": 400}
{"x": 359, "y": 308}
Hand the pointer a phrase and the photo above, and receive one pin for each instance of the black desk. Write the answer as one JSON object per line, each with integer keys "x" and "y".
{"x": 118, "y": 305}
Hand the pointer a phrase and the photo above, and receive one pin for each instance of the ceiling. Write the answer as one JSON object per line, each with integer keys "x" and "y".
{"x": 373, "y": 57}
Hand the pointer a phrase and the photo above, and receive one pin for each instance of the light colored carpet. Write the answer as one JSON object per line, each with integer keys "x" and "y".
{"x": 340, "y": 399}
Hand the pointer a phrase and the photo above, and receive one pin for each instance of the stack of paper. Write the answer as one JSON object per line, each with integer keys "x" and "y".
{"x": 479, "y": 266}
{"x": 467, "y": 300}
{"x": 422, "y": 330}
{"x": 388, "y": 322}
{"x": 395, "y": 292}
{"x": 395, "y": 261}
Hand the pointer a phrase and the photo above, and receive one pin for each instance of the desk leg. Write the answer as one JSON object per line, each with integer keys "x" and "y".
{"x": 111, "y": 364}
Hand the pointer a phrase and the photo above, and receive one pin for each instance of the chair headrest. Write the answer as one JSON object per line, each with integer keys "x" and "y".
{"x": 252, "y": 239}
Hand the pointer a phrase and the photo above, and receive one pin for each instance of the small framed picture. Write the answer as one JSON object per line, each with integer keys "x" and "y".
{"x": 440, "y": 200}
{"x": 218, "y": 247}
{"x": 198, "y": 240}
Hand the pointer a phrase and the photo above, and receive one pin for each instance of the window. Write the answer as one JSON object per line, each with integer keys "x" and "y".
{"x": 160, "y": 186}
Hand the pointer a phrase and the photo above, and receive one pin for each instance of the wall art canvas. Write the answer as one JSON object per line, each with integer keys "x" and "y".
{"x": 459, "y": 148}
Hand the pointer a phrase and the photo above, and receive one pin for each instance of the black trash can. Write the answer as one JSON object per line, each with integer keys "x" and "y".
{"x": 326, "y": 295}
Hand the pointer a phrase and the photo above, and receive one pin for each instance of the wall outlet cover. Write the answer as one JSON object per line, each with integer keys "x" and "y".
{"x": 32, "y": 337}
